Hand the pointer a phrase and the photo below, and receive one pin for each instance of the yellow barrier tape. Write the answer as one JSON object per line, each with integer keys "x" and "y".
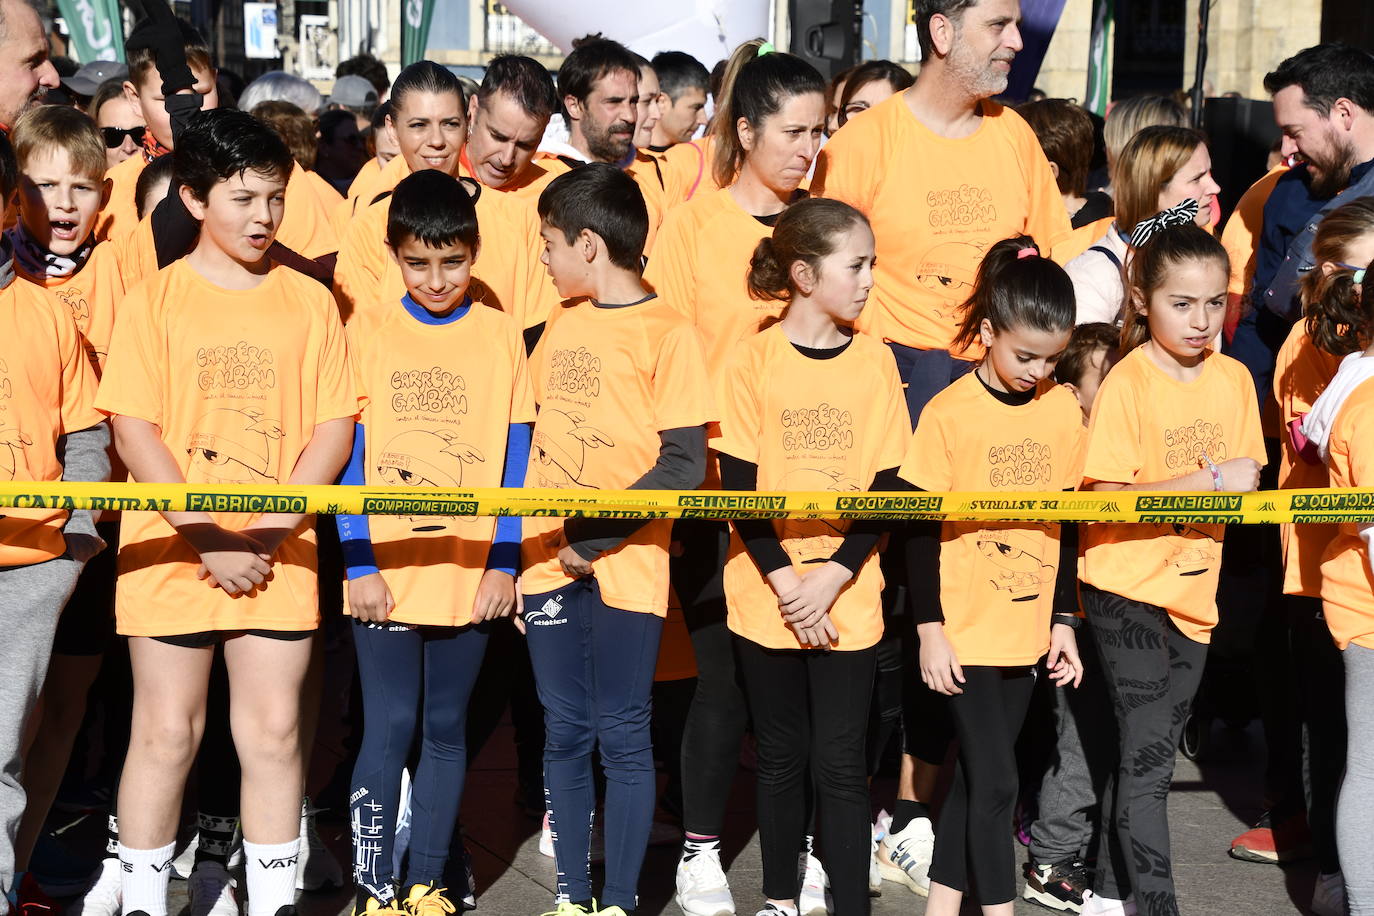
{"x": 1266, "y": 507}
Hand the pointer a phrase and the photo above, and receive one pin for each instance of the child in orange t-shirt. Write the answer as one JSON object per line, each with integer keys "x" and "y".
{"x": 61, "y": 187}
{"x": 1307, "y": 363}
{"x": 810, "y": 405}
{"x": 448, "y": 405}
{"x": 623, "y": 402}
{"x": 165, "y": 55}
{"x": 1171, "y": 415}
{"x": 223, "y": 370}
{"x": 1338, "y": 427}
{"x": 49, "y": 431}
{"x": 991, "y": 600}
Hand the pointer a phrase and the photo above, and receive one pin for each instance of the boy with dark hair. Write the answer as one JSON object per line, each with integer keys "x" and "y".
{"x": 223, "y": 369}
{"x": 49, "y": 430}
{"x": 682, "y": 84}
{"x": 421, "y": 590}
{"x": 624, "y": 402}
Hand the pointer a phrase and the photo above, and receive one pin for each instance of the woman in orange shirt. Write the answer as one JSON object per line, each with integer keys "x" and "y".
{"x": 809, "y": 404}
{"x": 1171, "y": 415}
{"x": 985, "y": 595}
{"x": 768, "y": 130}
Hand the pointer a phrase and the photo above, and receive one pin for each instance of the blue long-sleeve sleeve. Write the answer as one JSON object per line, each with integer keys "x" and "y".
{"x": 355, "y": 533}
{"x": 505, "y": 546}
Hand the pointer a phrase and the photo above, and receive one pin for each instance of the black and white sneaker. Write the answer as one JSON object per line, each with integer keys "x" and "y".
{"x": 1056, "y": 887}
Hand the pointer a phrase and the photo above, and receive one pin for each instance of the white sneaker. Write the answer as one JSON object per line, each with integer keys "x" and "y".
{"x": 104, "y": 897}
{"x": 1328, "y": 897}
{"x": 1093, "y": 905}
{"x": 211, "y": 891}
{"x": 702, "y": 888}
{"x": 185, "y": 862}
{"x": 469, "y": 899}
{"x": 812, "y": 899}
{"x": 546, "y": 838}
{"x": 318, "y": 868}
{"x": 904, "y": 858}
{"x": 875, "y": 875}
{"x": 772, "y": 909}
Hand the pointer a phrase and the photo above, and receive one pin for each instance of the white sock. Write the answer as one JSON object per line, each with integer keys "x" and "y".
{"x": 271, "y": 873}
{"x": 146, "y": 873}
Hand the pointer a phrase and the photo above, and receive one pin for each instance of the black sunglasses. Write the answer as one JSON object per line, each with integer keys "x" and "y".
{"x": 114, "y": 136}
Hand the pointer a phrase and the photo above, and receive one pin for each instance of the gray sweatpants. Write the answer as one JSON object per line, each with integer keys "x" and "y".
{"x": 1081, "y": 766}
{"x": 31, "y": 598}
{"x": 1355, "y": 807}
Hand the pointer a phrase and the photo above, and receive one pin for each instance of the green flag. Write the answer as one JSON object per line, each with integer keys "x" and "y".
{"x": 415, "y": 19}
{"x": 1100, "y": 59}
{"x": 96, "y": 28}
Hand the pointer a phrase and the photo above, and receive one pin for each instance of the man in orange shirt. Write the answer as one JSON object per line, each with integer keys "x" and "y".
{"x": 598, "y": 86}
{"x": 682, "y": 85}
{"x": 943, "y": 173}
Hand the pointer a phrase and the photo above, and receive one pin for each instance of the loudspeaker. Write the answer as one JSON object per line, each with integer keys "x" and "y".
{"x": 1241, "y": 133}
{"x": 828, "y": 34}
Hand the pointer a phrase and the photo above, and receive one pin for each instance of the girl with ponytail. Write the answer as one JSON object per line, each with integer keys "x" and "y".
{"x": 808, "y": 404}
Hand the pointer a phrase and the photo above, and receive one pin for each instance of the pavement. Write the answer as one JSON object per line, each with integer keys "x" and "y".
{"x": 1211, "y": 803}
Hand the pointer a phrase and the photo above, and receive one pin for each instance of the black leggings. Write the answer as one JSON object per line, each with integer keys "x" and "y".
{"x": 973, "y": 833}
{"x": 717, "y": 718}
{"x": 811, "y": 708}
{"x": 1152, "y": 672}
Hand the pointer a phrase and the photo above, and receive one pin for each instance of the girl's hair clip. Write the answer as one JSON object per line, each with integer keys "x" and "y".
{"x": 766, "y": 48}
{"x": 1027, "y": 253}
{"x": 1358, "y": 276}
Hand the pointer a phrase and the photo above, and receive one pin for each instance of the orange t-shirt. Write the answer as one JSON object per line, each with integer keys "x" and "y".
{"x": 690, "y": 166}
{"x": 363, "y": 180}
{"x": 507, "y": 275}
{"x": 1301, "y": 372}
{"x": 120, "y": 213}
{"x": 92, "y": 294}
{"x": 440, "y": 401}
{"x": 810, "y": 425}
{"x": 1082, "y": 238}
{"x": 47, "y": 389}
{"x": 997, "y": 579}
{"x": 1241, "y": 236}
{"x": 676, "y": 659}
{"x": 700, "y": 265}
{"x": 1146, "y": 427}
{"x": 608, "y": 380}
{"x": 305, "y": 223}
{"x": 1347, "y": 588}
{"x": 236, "y": 380}
{"x": 937, "y": 205}
{"x": 363, "y": 192}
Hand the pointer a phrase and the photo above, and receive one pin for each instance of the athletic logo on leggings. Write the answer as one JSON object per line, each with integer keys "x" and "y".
{"x": 546, "y": 615}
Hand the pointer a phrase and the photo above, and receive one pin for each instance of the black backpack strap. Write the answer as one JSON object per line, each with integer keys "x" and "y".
{"x": 1108, "y": 254}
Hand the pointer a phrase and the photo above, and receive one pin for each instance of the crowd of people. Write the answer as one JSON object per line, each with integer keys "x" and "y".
{"x": 645, "y": 274}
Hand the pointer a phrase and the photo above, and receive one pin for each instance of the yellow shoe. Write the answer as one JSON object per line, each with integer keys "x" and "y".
{"x": 567, "y": 908}
{"x": 427, "y": 900}
{"x": 375, "y": 907}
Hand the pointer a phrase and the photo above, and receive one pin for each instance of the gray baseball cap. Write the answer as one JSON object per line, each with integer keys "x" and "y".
{"x": 353, "y": 91}
{"x": 88, "y": 79}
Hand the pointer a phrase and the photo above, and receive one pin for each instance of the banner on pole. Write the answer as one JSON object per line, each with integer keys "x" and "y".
{"x": 96, "y": 28}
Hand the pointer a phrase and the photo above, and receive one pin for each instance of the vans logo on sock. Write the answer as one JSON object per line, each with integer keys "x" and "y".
{"x": 283, "y": 862}
{"x": 546, "y": 615}
{"x": 160, "y": 868}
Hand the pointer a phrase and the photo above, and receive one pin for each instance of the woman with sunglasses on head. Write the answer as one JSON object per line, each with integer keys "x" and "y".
{"x": 121, "y": 125}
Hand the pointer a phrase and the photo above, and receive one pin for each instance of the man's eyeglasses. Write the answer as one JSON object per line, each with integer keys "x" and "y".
{"x": 114, "y": 136}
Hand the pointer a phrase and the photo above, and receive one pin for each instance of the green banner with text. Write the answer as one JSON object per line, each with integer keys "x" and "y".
{"x": 415, "y": 19}
{"x": 96, "y": 29}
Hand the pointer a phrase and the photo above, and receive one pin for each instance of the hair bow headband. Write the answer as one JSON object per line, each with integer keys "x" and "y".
{"x": 1177, "y": 215}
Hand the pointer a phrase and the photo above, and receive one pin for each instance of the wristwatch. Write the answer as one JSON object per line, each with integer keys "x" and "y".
{"x": 1068, "y": 620}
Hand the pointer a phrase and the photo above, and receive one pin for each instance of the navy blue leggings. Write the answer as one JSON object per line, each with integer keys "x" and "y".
{"x": 401, "y": 669}
{"x": 594, "y": 667}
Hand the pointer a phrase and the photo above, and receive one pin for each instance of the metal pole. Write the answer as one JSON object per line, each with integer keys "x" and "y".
{"x": 1204, "y": 15}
